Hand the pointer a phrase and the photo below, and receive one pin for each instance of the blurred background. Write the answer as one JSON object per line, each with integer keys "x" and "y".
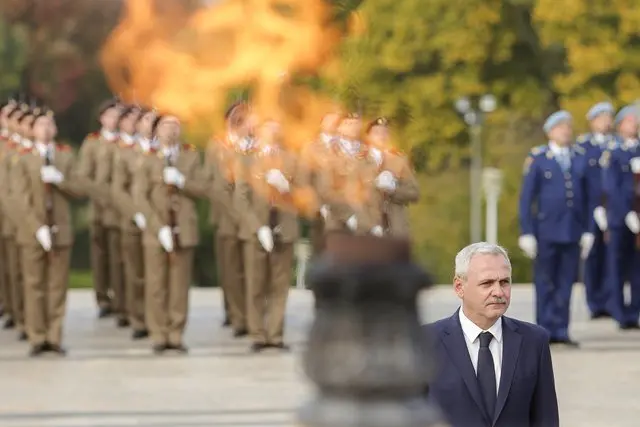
{"x": 467, "y": 85}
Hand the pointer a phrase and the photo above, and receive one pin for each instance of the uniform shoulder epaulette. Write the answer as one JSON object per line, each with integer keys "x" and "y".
{"x": 579, "y": 149}
{"x": 585, "y": 137}
{"x": 64, "y": 147}
{"x": 93, "y": 135}
{"x": 536, "y": 151}
{"x": 189, "y": 147}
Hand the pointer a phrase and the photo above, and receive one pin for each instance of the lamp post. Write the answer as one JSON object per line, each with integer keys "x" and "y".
{"x": 492, "y": 184}
{"x": 474, "y": 118}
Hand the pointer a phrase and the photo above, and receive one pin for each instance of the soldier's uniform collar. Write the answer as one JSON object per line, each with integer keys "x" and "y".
{"x": 16, "y": 138}
{"x": 327, "y": 139}
{"x": 127, "y": 138}
{"x": 108, "y": 135}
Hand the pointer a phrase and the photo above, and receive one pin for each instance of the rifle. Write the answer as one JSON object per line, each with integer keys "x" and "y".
{"x": 48, "y": 201}
{"x": 173, "y": 197}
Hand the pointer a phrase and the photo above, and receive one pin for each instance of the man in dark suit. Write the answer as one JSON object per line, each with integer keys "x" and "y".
{"x": 492, "y": 371}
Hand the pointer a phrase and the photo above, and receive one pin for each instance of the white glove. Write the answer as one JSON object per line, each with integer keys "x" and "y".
{"x": 632, "y": 222}
{"x": 352, "y": 223}
{"x": 140, "y": 221}
{"x": 166, "y": 238}
{"x": 265, "y": 237}
{"x": 277, "y": 179}
{"x": 529, "y": 245}
{"x": 324, "y": 211}
{"x": 377, "y": 231}
{"x": 586, "y": 243}
{"x": 635, "y": 165}
{"x": 386, "y": 181}
{"x": 43, "y": 235}
{"x": 51, "y": 175}
{"x": 600, "y": 215}
{"x": 172, "y": 176}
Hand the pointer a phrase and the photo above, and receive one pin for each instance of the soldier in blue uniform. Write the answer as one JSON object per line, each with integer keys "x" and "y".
{"x": 621, "y": 177}
{"x": 554, "y": 222}
{"x": 600, "y": 118}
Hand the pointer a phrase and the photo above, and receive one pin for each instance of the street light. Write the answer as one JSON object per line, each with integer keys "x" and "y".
{"x": 474, "y": 118}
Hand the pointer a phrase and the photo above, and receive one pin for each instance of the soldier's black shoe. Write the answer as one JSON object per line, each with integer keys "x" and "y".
{"x": 37, "y": 350}
{"x": 600, "y": 315}
{"x": 180, "y": 348}
{"x": 257, "y": 347}
{"x": 57, "y": 349}
{"x": 279, "y": 346}
{"x": 564, "y": 341}
{"x": 9, "y": 323}
{"x": 22, "y": 336}
{"x": 239, "y": 333}
{"x": 159, "y": 348}
{"x": 630, "y": 326}
{"x": 104, "y": 312}
{"x": 122, "y": 323}
{"x": 139, "y": 334}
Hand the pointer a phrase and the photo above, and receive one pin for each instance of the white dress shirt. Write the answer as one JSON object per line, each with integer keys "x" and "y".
{"x": 472, "y": 332}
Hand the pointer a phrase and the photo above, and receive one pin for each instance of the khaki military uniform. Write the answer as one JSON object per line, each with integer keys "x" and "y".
{"x": 13, "y": 218}
{"x": 393, "y": 205}
{"x": 168, "y": 276}
{"x": 125, "y": 163}
{"x": 347, "y": 188}
{"x": 314, "y": 161}
{"x": 268, "y": 275}
{"x": 88, "y": 161}
{"x": 46, "y": 275}
{"x": 111, "y": 221}
{"x": 229, "y": 245}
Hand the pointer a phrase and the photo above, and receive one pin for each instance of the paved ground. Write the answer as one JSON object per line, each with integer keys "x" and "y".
{"x": 108, "y": 381}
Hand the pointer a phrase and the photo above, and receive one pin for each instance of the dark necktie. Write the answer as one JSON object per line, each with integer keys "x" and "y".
{"x": 487, "y": 373}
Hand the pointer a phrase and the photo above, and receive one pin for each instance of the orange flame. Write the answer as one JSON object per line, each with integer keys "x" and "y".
{"x": 188, "y": 68}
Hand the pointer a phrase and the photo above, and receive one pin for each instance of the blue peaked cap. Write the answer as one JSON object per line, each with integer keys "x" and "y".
{"x": 600, "y": 108}
{"x": 555, "y": 119}
{"x": 625, "y": 112}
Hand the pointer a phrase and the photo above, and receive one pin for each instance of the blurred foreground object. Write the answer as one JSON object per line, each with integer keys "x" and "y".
{"x": 366, "y": 352}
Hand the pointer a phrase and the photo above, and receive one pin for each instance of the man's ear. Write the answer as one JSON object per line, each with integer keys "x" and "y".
{"x": 458, "y": 286}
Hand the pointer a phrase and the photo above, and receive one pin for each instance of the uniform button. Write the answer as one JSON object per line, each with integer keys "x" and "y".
{"x": 570, "y": 203}
{"x": 569, "y": 184}
{"x": 569, "y": 194}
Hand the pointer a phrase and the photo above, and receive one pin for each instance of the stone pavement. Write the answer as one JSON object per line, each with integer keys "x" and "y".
{"x": 107, "y": 380}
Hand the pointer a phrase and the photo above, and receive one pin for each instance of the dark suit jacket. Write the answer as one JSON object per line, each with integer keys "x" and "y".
{"x": 526, "y": 394}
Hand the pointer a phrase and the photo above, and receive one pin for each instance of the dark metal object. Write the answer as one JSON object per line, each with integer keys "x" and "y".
{"x": 174, "y": 202}
{"x": 367, "y": 353}
{"x": 48, "y": 201}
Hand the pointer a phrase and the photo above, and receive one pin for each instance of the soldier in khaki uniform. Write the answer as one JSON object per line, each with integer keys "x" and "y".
{"x": 42, "y": 197}
{"x": 269, "y": 228}
{"x": 236, "y": 144}
{"x": 6, "y": 154}
{"x": 396, "y": 184}
{"x": 90, "y": 157}
{"x": 133, "y": 221}
{"x": 314, "y": 159}
{"x": 20, "y": 147}
{"x": 165, "y": 191}
{"x": 347, "y": 187}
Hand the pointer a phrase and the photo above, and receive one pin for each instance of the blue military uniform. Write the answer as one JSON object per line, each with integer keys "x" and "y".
{"x": 595, "y": 265}
{"x": 553, "y": 206}
{"x": 623, "y": 257}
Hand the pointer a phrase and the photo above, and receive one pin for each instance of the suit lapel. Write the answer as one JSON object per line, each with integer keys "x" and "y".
{"x": 510, "y": 352}
{"x": 457, "y": 348}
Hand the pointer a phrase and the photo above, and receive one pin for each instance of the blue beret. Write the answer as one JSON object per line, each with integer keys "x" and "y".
{"x": 625, "y": 112}
{"x": 555, "y": 119}
{"x": 600, "y": 108}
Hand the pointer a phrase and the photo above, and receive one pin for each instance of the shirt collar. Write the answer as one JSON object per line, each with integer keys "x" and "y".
{"x": 326, "y": 139}
{"x": 473, "y": 331}
{"x": 127, "y": 139}
{"x": 557, "y": 149}
{"x": 26, "y": 143}
{"x": 108, "y": 135}
{"x": 16, "y": 138}
{"x": 630, "y": 143}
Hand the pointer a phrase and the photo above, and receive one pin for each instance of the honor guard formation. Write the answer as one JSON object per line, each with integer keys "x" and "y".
{"x": 581, "y": 200}
{"x": 142, "y": 183}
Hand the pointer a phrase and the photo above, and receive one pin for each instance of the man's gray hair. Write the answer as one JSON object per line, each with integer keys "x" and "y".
{"x": 463, "y": 258}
